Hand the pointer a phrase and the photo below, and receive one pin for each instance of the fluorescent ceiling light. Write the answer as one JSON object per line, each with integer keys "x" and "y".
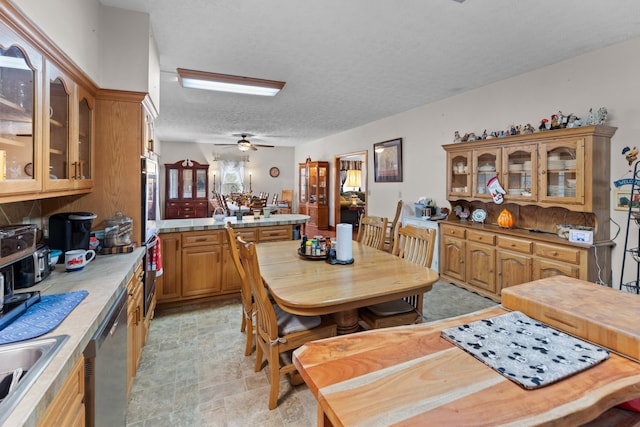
{"x": 227, "y": 83}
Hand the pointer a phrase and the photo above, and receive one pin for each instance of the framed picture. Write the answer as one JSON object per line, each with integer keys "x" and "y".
{"x": 387, "y": 161}
{"x": 622, "y": 199}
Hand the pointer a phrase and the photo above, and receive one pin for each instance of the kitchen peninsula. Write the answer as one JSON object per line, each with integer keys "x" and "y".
{"x": 196, "y": 261}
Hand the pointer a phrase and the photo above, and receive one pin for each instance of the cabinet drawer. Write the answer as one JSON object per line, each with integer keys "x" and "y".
{"x": 267, "y": 234}
{"x": 450, "y": 230}
{"x": 558, "y": 253}
{"x": 247, "y": 234}
{"x": 519, "y": 245}
{"x": 201, "y": 238}
{"x": 481, "y": 237}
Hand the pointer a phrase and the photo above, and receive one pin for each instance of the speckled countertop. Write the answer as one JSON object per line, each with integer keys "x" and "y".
{"x": 195, "y": 224}
{"x": 103, "y": 278}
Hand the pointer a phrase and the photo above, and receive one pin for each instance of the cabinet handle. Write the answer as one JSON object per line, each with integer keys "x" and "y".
{"x": 554, "y": 253}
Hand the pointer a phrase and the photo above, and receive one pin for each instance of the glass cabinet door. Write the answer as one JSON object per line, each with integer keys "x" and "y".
{"x": 486, "y": 165}
{"x": 60, "y": 163}
{"x": 187, "y": 183}
{"x": 303, "y": 183}
{"x": 201, "y": 183}
{"x": 322, "y": 185}
{"x": 313, "y": 184}
{"x": 459, "y": 182}
{"x": 562, "y": 171}
{"x": 173, "y": 183}
{"x": 18, "y": 163}
{"x": 85, "y": 140}
{"x": 520, "y": 172}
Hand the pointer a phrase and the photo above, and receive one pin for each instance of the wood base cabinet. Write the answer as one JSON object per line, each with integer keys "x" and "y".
{"x": 67, "y": 408}
{"x": 198, "y": 264}
{"x": 135, "y": 324}
{"x": 487, "y": 259}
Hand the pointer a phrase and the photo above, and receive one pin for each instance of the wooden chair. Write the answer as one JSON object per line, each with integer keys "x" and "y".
{"x": 274, "y": 201}
{"x": 371, "y": 231}
{"x": 391, "y": 228}
{"x": 248, "y": 307}
{"x": 415, "y": 244}
{"x": 277, "y": 332}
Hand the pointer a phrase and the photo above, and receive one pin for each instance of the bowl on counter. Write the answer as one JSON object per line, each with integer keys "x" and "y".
{"x": 54, "y": 255}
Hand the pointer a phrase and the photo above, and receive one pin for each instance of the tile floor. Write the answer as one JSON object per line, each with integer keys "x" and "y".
{"x": 193, "y": 371}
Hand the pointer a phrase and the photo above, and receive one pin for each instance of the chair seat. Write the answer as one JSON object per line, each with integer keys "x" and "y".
{"x": 390, "y": 308}
{"x": 290, "y": 323}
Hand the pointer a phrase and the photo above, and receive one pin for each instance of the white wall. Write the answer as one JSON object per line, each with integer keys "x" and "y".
{"x": 114, "y": 47}
{"x": 606, "y": 77}
{"x": 259, "y": 164}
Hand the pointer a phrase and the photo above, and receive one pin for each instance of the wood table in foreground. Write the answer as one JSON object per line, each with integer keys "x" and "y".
{"x": 410, "y": 376}
{"x": 306, "y": 287}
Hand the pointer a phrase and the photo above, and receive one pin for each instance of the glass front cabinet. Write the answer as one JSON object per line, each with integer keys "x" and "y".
{"x": 313, "y": 199}
{"x": 186, "y": 189}
{"x": 46, "y": 123}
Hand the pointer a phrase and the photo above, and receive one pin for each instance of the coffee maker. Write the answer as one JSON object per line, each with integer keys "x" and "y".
{"x": 70, "y": 230}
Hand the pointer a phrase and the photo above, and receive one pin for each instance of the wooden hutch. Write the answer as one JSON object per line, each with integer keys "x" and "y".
{"x": 186, "y": 190}
{"x": 550, "y": 178}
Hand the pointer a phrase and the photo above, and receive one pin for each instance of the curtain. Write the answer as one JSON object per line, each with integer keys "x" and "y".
{"x": 231, "y": 176}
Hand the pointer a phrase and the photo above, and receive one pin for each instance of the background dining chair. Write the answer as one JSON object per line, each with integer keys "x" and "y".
{"x": 391, "y": 228}
{"x": 371, "y": 231}
{"x": 277, "y": 332}
{"x": 248, "y": 306}
{"x": 416, "y": 245}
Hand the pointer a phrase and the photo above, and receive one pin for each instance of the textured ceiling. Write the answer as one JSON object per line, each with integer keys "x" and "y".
{"x": 347, "y": 63}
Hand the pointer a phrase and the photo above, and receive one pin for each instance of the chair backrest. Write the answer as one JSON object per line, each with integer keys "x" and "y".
{"x": 394, "y": 223}
{"x": 266, "y": 324}
{"x": 415, "y": 244}
{"x": 372, "y": 231}
{"x": 225, "y": 206}
{"x": 274, "y": 201}
{"x": 245, "y": 287}
{"x": 287, "y": 196}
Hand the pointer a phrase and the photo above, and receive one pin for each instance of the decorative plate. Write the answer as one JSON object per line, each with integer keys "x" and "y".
{"x": 274, "y": 172}
{"x": 479, "y": 215}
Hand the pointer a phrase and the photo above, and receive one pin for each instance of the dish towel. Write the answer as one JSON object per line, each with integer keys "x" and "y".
{"x": 42, "y": 317}
{"x": 524, "y": 350}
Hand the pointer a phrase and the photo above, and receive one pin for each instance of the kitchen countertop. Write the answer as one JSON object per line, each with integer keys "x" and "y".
{"x": 103, "y": 278}
{"x": 195, "y": 224}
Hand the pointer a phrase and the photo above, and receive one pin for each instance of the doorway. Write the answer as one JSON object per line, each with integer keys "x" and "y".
{"x": 350, "y": 199}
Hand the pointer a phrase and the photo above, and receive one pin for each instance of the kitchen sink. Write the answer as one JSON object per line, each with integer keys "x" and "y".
{"x": 20, "y": 365}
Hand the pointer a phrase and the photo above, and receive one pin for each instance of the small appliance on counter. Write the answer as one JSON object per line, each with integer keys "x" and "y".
{"x": 32, "y": 269}
{"x": 16, "y": 241}
{"x": 70, "y": 230}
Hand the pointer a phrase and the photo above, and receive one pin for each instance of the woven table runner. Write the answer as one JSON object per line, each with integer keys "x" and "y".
{"x": 42, "y": 317}
{"x": 524, "y": 350}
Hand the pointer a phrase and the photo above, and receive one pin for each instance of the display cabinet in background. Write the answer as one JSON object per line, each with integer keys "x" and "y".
{"x": 314, "y": 193}
{"x": 186, "y": 190}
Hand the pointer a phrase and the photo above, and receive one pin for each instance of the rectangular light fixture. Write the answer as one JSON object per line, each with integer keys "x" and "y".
{"x": 227, "y": 83}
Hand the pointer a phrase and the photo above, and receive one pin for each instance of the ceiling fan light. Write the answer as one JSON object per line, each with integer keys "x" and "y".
{"x": 228, "y": 83}
{"x": 244, "y": 145}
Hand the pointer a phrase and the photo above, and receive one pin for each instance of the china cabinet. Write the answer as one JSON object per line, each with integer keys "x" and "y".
{"x": 549, "y": 178}
{"x": 186, "y": 190}
{"x": 313, "y": 179}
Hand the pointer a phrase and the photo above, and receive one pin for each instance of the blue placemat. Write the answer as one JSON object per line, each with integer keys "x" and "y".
{"x": 524, "y": 350}
{"x": 42, "y": 317}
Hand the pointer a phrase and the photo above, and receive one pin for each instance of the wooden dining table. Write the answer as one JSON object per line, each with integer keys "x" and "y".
{"x": 411, "y": 376}
{"x": 315, "y": 287}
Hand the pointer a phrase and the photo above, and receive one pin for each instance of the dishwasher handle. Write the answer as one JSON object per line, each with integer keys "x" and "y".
{"x": 108, "y": 325}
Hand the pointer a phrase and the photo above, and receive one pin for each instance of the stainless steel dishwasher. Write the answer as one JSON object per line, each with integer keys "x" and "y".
{"x": 106, "y": 369}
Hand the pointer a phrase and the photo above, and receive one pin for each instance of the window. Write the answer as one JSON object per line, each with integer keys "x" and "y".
{"x": 232, "y": 176}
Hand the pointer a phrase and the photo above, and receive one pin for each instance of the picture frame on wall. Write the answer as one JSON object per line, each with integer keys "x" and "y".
{"x": 622, "y": 199}
{"x": 387, "y": 161}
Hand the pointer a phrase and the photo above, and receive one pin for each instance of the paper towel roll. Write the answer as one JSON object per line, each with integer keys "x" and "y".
{"x": 344, "y": 236}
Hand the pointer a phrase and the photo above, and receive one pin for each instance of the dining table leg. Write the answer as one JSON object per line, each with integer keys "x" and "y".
{"x": 346, "y": 321}
{"x": 323, "y": 421}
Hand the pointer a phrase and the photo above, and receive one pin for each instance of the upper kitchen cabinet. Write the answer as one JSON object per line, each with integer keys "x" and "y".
{"x": 20, "y": 118}
{"x": 69, "y": 134}
{"x": 46, "y": 116}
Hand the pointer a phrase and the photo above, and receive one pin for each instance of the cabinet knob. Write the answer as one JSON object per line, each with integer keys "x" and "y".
{"x": 554, "y": 253}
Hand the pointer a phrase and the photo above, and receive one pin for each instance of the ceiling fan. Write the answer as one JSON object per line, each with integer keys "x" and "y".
{"x": 245, "y": 145}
